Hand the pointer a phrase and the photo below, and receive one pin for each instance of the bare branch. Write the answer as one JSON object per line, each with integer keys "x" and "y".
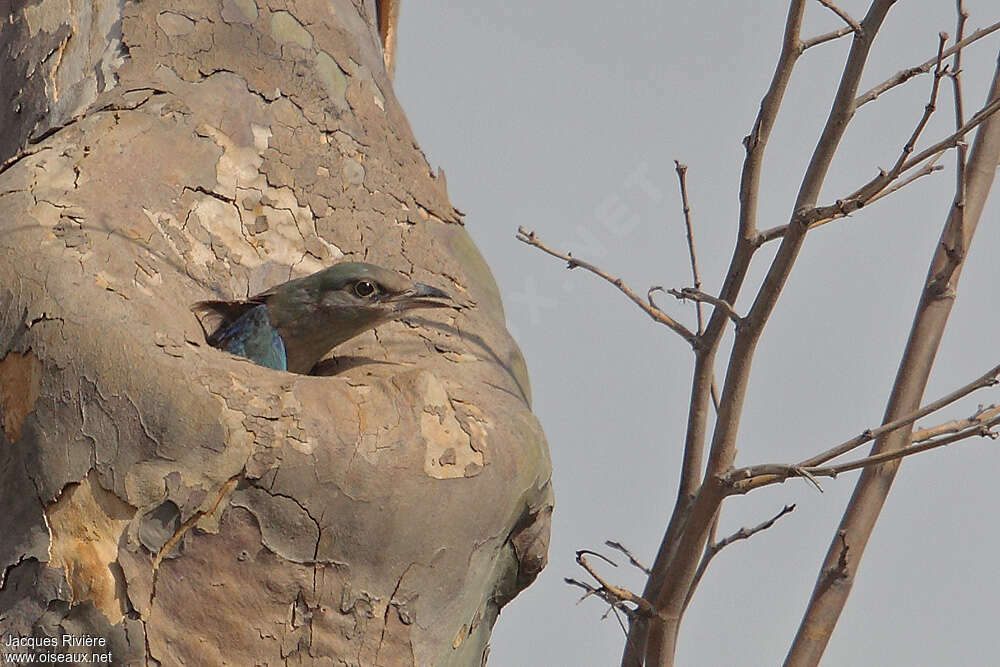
{"x": 983, "y": 429}
{"x": 939, "y": 71}
{"x": 956, "y": 72}
{"x": 929, "y": 167}
{"x": 658, "y": 315}
{"x": 690, "y": 540}
{"x": 590, "y": 590}
{"x": 808, "y": 476}
{"x": 956, "y": 137}
{"x": 851, "y": 23}
{"x": 682, "y": 179}
{"x": 814, "y": 217}
{"x": 841, "y": 209}
{"x": 756, "y": 141}
{"x": 825, "y": 37}
{"x": 905, "y": 75}
{"x": 714, "y": 548}
{"x": 752, "y": 477}
{"x": 926, "y": 332}
{"x": 695, "y": 275}
{"x": 876, "y": 188}
{"x": 702, "y": 390}
{"x": 587, "y": 552}
{"x": 649, "y": 298}
{"x": 963, "y": 149}
{"x": 688, "y": 293}
{"x": 618, "y": 546}
{"x": 674, "y": 573}
{"x": 745, "y": 533}
{"x": 616, "y": 608}
{"x": 649, "y": 295}
{"x": 618, "y": 617}
{"x": 613, "y": 595}
{"x": 982, "y": 415}
{"x": 863, "y": 195}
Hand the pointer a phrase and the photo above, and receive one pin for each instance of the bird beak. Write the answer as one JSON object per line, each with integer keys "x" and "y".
{"x": 420, "y": 296}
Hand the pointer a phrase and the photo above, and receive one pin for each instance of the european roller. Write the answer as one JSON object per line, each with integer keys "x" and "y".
{"x": 295, "y": 324}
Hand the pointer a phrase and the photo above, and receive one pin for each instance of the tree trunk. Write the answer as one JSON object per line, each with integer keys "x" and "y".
{"x": 184, "y": 505}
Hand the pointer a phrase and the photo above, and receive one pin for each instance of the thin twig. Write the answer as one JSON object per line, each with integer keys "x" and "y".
{"x": 819, "y": 215}
{"x": 691, "y": 294}
{"x": 587, "y": 552}
{"x": 983, "y": 430}
{"x": 988, "y": 379}
{"x": 621, "y": 623}
{"x": 955, "y": 425}
{"x": 682, "y": 179}
{"x": 939, "y": 71}
{"x": 594, "y": 591}
{"x": 712, "y": 547}
{"x": 618, "y": 546}
{"x": 675, "y": 575}
{"x": 929, "y": 167}
{"x": 698, "y": 297}
{"x": 962, "y": 154}
{"x": 905, "y": 75}
{"x": 610, "y": 593}
{"x": 695, "y": 275}
{"x": 825, "y": 37}
{"x": 884, "y": 179}
{"x": 744, "y": 533}
{"x": 658, "y": 315}
{"x": 956, "y": 66}
{"x": 741, "y": 483}
{"x": 808, "y": 476}
{"x": 852, "y": 24}
{"x": 839, "y": 210}
{"x": 747, "y": 479}
{"x": 955, "y": 138}
{"x": 922, "y": 347}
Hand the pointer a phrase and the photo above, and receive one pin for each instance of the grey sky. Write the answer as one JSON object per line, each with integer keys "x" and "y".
{"x": 565, "y": 117}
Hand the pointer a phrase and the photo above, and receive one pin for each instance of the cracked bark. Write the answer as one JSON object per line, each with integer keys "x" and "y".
{"x": 187, "y": 505}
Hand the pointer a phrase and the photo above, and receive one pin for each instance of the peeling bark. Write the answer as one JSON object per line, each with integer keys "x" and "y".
{"x": 187, "y": 505}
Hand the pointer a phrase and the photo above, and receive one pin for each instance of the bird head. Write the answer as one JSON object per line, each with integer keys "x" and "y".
{"x": 322, "y": 310}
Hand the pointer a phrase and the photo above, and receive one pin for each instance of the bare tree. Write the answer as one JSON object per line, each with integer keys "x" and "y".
{"x": 180, "y": 504}
{"x": 709, "y": 473}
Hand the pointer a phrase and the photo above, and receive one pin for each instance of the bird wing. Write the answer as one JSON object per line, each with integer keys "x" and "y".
{"x": 242, "y": 328}
{"x": 249, "y": 335}
{"x": 213, "y": 316}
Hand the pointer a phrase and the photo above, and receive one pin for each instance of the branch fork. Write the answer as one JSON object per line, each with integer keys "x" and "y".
{"x": 615, "y": 596}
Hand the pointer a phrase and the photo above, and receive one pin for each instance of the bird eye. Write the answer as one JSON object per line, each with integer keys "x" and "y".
{"x": 364, "y": 288}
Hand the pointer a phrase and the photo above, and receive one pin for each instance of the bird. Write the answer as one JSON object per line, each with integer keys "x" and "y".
{"x": 291, "y": 326}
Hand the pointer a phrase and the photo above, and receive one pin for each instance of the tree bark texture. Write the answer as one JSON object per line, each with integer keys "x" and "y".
{"x": 192, "y": 507}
